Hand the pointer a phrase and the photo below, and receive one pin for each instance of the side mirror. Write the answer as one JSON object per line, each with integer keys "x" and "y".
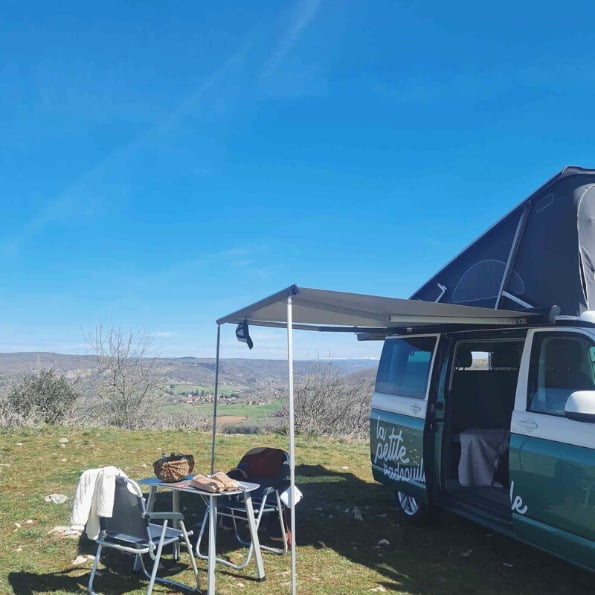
{"x": 580, "y": 406}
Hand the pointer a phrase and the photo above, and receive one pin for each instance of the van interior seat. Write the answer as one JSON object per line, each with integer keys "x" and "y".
{"x": 484, "y": 398}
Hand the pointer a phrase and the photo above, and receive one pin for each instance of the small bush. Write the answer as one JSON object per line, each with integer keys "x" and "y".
{"x": 40, "y": 397}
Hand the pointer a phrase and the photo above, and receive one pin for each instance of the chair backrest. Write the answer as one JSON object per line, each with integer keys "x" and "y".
{"x": 266, "y": 466}
{"x": 264, "y": 463}
{"x": 128, "y": 513}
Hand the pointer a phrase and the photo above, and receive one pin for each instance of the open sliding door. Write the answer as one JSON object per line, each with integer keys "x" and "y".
{"x": 398, "y": 417}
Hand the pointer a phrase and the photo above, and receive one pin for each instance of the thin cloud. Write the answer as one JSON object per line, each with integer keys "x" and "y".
{"x": 237, "y": 252}
{"x": 74, "y": 200}
{"x": 56, "y": 211}
{"x": 304, "y": 15}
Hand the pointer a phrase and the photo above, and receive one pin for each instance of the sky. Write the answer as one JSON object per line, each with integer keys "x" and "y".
{"x": 163, "y": 164}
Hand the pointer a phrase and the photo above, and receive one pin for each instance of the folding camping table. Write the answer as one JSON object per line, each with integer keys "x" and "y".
{"x": 210, "y": 500}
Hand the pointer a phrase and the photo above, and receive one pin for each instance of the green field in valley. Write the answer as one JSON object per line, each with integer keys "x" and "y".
{"x": 251, "y": 412}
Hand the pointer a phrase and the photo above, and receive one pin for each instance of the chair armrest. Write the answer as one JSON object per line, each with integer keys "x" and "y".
{"x": 162, "y": 516}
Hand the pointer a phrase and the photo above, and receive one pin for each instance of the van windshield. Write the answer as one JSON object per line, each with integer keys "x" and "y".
{"x": 404, "y": 366}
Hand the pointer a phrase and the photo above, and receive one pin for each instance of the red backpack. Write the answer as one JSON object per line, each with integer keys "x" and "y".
{"x": 260, "y": 462}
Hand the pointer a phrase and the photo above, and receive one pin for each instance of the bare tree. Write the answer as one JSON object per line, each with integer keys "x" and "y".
{"x": 329, "y": 404}
{"x": 128, "y": 378}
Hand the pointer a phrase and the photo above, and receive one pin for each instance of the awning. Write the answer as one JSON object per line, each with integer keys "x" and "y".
{"x": 336, "y": 311}
{"x": 369, "y": 316}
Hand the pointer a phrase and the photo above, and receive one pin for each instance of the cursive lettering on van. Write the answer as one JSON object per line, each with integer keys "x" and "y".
{"x": 391, "y": 449}
{"x": 398, "y": 473}
{"x": 392, "y": 453}
{"x": 516, "y": 502}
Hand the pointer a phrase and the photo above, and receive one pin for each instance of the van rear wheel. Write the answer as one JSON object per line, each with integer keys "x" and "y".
{"x": 411, "y": 509}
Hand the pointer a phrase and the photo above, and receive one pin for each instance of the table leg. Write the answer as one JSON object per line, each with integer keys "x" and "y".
{"x": 151, "y": 499}
{"x": 212, "y": 544}
{"x": 254, "y": 535}
{"x": 175, "y": 506}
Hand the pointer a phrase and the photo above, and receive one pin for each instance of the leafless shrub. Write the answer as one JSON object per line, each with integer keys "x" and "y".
{"x": 128, "y": 378}
{"x": 328, "y": 404}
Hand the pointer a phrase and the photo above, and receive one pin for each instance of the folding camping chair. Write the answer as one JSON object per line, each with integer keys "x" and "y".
{"x": 130, "y": 530}
{"x": 273, "y": 466}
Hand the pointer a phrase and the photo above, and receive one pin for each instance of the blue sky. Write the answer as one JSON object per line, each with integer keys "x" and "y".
{"x": 166, "y": 163}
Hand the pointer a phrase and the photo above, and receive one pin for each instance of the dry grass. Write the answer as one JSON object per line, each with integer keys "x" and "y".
{"x": 336, "y": 553}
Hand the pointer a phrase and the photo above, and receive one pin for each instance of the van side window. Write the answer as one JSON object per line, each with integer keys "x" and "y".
{"x": 560, "y": 364}
{"x": 404, "y": 366}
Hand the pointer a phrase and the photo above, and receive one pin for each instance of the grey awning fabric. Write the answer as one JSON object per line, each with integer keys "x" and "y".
{"x": 335, "y": 311}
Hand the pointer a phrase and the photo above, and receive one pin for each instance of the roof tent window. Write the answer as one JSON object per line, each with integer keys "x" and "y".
{"x": 482, "y": 281}
{"x": 405, "y": 366}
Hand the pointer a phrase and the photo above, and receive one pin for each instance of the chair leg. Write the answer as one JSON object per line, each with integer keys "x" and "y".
{"x": 259, "y": 513}
{"x": 280, "y": 511}
{"x": 94, "y": 570}
{"x": 190, "y": 553}
{"x": 200, "y": 536}
{"x": 156, "y": 559}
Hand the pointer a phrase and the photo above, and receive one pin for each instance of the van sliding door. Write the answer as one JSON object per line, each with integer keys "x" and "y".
{"x": 398, "y": 415}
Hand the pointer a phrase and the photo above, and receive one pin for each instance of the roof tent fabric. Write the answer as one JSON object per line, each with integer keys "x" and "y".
{"x": 323, "y": 310}
{"x": 539, "y": 255}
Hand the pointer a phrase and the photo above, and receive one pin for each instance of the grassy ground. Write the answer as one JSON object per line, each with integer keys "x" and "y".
{"x": 336, "y": 553}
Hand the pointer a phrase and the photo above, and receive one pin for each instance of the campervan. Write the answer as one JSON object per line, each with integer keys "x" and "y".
{"x": 497, "y": 423}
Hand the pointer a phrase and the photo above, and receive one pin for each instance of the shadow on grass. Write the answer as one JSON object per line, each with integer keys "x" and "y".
{"x": 451, "y": 555}
{"x": 115, "y": 577}
{"x": 28, "y": 583}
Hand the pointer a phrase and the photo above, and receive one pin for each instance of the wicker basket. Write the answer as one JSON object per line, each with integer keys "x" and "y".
{"x": 174, "y": 467}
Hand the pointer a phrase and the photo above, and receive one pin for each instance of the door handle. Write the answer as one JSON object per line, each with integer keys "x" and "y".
{"x": 416, "y": 409}
{"x": 528, "y": 424}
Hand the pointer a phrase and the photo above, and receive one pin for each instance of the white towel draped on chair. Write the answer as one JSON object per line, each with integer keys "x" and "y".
{"x": 94, "y": 498}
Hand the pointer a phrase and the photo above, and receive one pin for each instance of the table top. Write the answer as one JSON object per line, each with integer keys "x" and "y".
{"x": 182, "y": 485}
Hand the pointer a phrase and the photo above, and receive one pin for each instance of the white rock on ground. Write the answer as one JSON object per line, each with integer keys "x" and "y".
{"x": 65, "y": 531}
{"x": 56, "y": 498}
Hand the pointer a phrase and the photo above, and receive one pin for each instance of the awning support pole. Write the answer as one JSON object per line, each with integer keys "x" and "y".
{"x": 291, "y": 442}
{"x": 215, "y": 400}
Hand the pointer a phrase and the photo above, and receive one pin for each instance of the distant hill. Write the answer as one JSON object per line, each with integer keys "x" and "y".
{"x": 241, "y": 372}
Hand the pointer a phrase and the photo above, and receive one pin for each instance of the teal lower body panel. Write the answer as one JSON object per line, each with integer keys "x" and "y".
{"x": 562, "y": 544}
{"x": 552, "y": 495}
{"x": 396, "y": 449}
